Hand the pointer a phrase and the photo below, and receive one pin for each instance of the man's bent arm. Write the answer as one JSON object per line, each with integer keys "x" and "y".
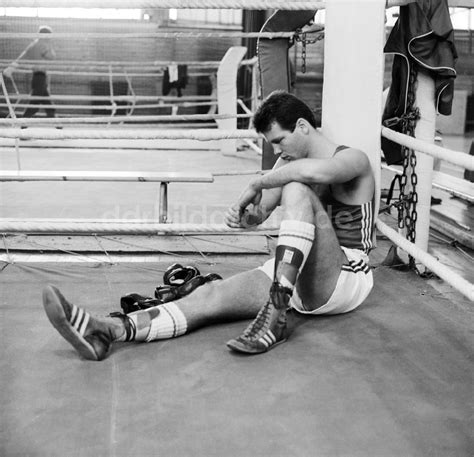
{"x": 347, "y": 165}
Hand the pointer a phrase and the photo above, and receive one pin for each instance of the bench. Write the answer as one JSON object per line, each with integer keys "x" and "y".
{"x": 164, "y": 178}
{"x": 458, "y": 187}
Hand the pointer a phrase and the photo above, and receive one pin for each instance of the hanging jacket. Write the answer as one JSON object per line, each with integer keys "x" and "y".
{"x": 422, "y": 36}
{"x": 174, "y": 77}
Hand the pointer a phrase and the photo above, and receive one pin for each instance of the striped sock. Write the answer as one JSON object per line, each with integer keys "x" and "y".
{"x": 140, "y": 322}
{"x": 295, "y": 240}
{"x": 170, "y": 323}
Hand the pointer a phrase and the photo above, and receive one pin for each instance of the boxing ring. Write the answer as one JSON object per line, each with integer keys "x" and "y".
{"x": 390, "y": 379}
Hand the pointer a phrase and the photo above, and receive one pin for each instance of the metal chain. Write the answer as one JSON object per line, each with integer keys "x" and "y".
{"x": 303, "y": 54}
{"x": 302, "y": 37}
{"x": 407, "y": 214}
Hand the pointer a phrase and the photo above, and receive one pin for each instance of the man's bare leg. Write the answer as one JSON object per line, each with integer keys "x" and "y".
{"x": 318, "y": 278}
{"x": 235, "y": 298}
{"x": 319, "y": 274}
{"x": 238, "y": 297}
{"x": 306, "y": 243}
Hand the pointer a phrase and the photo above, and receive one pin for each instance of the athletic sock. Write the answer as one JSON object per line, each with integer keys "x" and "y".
{"x": 156, "y": 323}
{"x": 169, "y": 323}
{"x": 295, "y": 240}
{"x": 139, "y": 324}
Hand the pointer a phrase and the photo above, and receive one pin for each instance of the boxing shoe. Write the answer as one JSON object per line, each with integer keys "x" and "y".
{"x": 92, "y": 337}
{"x": 269, "y": 328}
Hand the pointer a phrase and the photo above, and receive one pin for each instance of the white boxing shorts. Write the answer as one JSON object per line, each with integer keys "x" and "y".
{"x": 353, "y": 285}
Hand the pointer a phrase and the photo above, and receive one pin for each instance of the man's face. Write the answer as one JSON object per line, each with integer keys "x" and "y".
{"x": 289, "y": 145}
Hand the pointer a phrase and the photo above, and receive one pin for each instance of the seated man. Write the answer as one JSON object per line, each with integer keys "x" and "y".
{"x": 321, "y": 266}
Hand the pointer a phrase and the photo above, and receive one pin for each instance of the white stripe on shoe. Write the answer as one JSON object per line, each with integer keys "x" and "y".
{"x": 79, "y": 319}
{"x": 84, "y": 324}
{"x": 73, "y": 313}
{"x": 268, "y": 339}
{"x": 264, "y": 342}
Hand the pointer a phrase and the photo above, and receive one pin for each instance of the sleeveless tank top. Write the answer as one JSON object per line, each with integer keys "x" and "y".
{"x": 354, "y": 224}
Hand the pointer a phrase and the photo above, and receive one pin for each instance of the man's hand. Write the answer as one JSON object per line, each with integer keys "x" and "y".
{"x": 237, "y": 215}
{"x": 238, "y": 218}
{"x": 233, "y": 217}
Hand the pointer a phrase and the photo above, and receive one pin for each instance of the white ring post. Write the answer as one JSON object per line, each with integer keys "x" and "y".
{"x": 425, "y": 131}
{"x": 353, "y": 77}
{"x": 227, "y": 93}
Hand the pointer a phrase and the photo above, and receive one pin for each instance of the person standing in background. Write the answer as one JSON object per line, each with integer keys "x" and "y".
{"x": 38, "y": 50}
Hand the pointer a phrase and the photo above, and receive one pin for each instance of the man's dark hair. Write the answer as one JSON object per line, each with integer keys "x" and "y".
{"x": 284, "y": 108}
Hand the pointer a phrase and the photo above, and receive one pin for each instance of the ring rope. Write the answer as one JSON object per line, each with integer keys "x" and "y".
{"x": 214, "y": 64}
{"x": 444, "y": 272}
{"x": 253, "y": 146}
{"x": 111, "y": 91}
{"x": 132, "y": 93}
{"x": 118, "y": 227}
{"x": 99, "y": 69}
{"x": 448, "y": 155}
{"x": 120, "y": 98}
{"x": 189, "y": 4}
{"x": 154, "y": 73}
{"x": 136, "y": 134}
{"x": 30, "y": 63}
{"x": 118, "y": 119}
{"x": 178, "y": 35}
{"x": 244, "y": 107}
{"x": 216, "y": 173}
{"x": 109, "y": 107}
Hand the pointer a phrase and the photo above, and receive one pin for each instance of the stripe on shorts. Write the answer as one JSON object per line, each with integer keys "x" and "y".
{"x": 355, "y": 267}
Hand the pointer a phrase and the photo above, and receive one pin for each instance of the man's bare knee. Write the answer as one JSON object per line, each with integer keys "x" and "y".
{"x": 237, "y": 297}
{"x": 299, "y": 202}
{"x": 296, "y": 191}
{"x": 206, "y": 293}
